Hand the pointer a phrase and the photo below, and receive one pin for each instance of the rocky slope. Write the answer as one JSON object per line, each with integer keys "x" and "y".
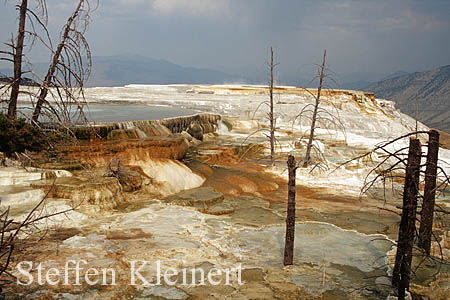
{"x": 429, "y": 90}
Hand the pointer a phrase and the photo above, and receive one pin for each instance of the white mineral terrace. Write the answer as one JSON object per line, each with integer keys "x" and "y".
{"x": 254, "y": 235}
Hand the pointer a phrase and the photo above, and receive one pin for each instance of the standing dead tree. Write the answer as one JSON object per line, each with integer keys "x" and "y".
{"x": 17, "y": 54}
{"x": 307, "y": 160}
{"x": 406, "y": 233}
{"x": 316, "y": 114}
{"x": 69, "y": 69}
{"x": 17, "y": 46}
{"x": 429, "y": 196}
{"x": 290, "y": 219}
{"x": 389, "y": 169}
{"x": 270, "y": 116}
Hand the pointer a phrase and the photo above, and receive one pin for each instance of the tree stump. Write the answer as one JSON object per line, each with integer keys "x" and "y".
{"x": 403, "y": 259}
{"x": 290, "y": 219}
{"x": 426, "y": 219}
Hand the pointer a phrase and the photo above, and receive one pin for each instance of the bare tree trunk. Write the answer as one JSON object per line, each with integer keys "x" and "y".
{"x": 290, "y": 219}
{"x": 314, "y": 116}
{"x": 51, "y": 70}
{"x": 426, "y": 224}
{"x": 403, "y": 259}
{"x": 272, "y": 123}
{"x": 18, "y": 53}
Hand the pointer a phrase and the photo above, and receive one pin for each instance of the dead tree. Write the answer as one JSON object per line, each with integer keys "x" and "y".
{"x": 16, "y": 55}
{"x": 129, "y": 179}
{"x": 405, "y": 243}
{"x": 290, "y": 219}
{"x": 316, "y": 114}
{"x": 387, "y": 170}
{"x": 270, "y": 116}
{"x": 307, "y": 160}
{"x": 18, "y": 52}
{"x": 68, "y": 70}
{"x": 427, "y": 214}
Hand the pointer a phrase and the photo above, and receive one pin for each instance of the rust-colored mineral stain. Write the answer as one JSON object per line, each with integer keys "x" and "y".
{"x": 235, "y": 178}
{"x": 99, "y": 153}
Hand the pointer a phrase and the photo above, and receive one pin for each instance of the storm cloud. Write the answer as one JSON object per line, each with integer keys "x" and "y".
{"x": 361, "y": 36}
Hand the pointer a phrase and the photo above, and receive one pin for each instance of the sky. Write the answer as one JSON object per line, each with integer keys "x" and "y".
{"x": 362, "y": 37}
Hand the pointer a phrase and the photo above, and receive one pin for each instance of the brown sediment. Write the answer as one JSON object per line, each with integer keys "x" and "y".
{"x": 217, "y": 155}
{"x": 99, "y": 153}
{"x": 61, "y": 234}
{"x": 135, "y": 233}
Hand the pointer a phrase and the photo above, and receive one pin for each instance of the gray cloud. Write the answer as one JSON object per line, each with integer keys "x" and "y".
{"x": 369, "y": 36}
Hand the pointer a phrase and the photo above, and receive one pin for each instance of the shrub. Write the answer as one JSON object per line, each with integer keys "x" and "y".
{"x": 18, "y": 136}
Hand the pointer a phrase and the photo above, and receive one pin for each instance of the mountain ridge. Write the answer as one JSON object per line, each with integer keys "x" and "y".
{"x": 121, "y": 70}
{"x": 429, "y": 91}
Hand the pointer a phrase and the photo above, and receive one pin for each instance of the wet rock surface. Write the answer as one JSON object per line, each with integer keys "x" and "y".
{"x": 200, "y": 198}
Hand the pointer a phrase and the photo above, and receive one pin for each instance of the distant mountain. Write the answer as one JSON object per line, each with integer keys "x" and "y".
{"x": 127, "y": 69}
{"x": 429, "y": 89}
{"x": 360, "y": 81}
{"x": 121, "y": 70}
{"x": 394, "y": 75}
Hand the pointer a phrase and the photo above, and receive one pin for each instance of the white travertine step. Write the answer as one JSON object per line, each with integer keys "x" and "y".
{"x": 16, "y": 196}
{"x": 15, "y": 176}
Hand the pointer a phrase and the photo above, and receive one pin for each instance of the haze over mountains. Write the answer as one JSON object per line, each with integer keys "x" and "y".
{"x": 120, "y": 70}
